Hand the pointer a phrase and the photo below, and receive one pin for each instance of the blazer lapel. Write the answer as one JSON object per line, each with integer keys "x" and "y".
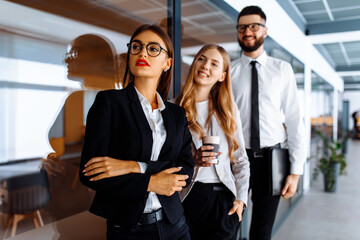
{"x": 142, "y": 123}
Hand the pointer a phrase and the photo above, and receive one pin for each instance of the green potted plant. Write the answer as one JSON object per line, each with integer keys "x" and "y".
{"x": 332, "y": 163}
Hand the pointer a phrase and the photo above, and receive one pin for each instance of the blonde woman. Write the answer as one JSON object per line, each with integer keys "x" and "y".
{"x": 218, "y": 193}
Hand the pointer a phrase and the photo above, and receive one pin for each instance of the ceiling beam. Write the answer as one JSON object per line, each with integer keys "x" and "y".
{"x": 355, "y": 89}
{"x": 333, "y": 32}
{"x": 348, "y": 69}
{"x": 328, "y": 10}
{"x": 334, "y": 27}
{"x": 344, "y": 52}
{"x": 231, "y": 12}
{"x": 352, "y": 83}
{"x": 295, "y": 14}
{"x": 326, "y": 54}
{"x": 348, "y": 73}
{"x": 335, "y": 37}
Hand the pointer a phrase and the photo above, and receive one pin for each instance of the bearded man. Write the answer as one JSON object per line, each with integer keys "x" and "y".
{"x": 266, "y": 94}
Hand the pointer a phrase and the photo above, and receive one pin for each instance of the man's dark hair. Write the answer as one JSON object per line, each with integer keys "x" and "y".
{"x": 249, "y": 10}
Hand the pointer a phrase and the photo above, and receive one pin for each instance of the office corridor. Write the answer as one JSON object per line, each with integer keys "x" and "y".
{"x": 331, "y": 216}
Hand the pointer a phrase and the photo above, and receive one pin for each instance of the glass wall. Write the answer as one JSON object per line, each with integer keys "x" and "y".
{"x": 342, "y": 129}
{"x": 205, "y": 22}
{"x": 321, "y": 113}
{"x": 54, "y": 57}
{"x": 322, "y": 94}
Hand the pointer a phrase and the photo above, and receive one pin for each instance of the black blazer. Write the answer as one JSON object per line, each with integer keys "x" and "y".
{"x": 117, "y": 127}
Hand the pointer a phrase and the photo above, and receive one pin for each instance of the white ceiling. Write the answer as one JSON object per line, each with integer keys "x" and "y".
{"x": 334, "y": 27}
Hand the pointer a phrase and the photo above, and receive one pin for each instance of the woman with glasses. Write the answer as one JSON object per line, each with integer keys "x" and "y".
{"x": 215, "y": 200}
{"x": 137, "y": 148}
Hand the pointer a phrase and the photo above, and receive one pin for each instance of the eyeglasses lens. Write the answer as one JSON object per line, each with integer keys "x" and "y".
{"x": 252, "y": 27}
{"x": 152, "y": 49}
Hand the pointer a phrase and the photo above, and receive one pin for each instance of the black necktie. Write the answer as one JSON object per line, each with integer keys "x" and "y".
{"x": 255, "y": 133}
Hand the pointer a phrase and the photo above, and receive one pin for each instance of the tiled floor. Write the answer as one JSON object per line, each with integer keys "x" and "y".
{"x": 328, "y": 216}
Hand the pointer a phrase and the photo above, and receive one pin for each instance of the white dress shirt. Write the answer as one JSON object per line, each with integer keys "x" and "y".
{"x": 280, "y": 116}
{"x": 157, "y": 126}
{"x": 206, "y": 174}
{"x": 235, "y": 176}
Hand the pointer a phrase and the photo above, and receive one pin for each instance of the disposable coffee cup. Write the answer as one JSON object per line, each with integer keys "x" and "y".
{"x": 212, "y": 141}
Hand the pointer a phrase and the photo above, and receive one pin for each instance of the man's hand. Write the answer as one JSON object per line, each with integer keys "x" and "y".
{"x": 290, "y": 187}
{"x": 166, "y": 183}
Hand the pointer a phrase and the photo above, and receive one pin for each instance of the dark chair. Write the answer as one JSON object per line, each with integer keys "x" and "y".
{"x": 2, "y": 197}
{"x": 24, "y": 196}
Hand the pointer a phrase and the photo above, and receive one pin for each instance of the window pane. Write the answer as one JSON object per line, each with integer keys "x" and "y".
{"x": 45, "y": 95}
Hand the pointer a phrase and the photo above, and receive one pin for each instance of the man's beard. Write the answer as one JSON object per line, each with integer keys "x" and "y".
{"x": 258, "y": 43}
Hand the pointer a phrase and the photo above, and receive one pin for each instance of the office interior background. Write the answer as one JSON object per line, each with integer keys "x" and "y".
{"x": 39, "y": 105}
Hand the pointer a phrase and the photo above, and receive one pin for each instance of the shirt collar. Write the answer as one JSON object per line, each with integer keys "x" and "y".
{"x": 143, "y": 100}
{"x": 245, "y": 60}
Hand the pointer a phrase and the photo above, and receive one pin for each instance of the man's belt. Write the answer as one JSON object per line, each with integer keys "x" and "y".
{"x": 149, "y": 218}
{"x": 256, "y": 153}
{"x": 260, "y": 152}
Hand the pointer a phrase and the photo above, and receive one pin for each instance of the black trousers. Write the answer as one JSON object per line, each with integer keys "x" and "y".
{"x": 264, "y": 204}
{"x": 161, "y": 230}
{"x": 206, "y": 210}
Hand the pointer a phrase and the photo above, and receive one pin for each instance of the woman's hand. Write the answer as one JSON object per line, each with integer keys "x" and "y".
{"x": 166, "y": 183}
{"x": 108, "y": 167}
{"x": 202, "y": 157}
{"x": 238, "y": 207}
{"x": 53, "y": 165}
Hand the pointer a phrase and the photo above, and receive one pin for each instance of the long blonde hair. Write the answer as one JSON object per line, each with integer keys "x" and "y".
{"x": 220, "y": 102}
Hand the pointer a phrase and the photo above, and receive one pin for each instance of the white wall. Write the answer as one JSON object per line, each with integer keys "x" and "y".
{"x": 27, "y": 113}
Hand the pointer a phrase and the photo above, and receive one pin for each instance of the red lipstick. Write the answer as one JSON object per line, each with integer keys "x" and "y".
{"x": 142, "y": 63}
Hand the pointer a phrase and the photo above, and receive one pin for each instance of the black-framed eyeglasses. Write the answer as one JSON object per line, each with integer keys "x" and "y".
{"x": 153, "y": 48}
{"x": 252, "y": 26}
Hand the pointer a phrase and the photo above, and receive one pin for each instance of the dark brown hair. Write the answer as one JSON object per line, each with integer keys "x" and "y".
{"x": 165, "y": 77}
{"x": 249, "y": 10}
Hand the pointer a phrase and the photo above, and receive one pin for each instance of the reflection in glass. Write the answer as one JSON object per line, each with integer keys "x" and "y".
{"x": 36, "y": 119}
{"x": 91, "y": 61}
